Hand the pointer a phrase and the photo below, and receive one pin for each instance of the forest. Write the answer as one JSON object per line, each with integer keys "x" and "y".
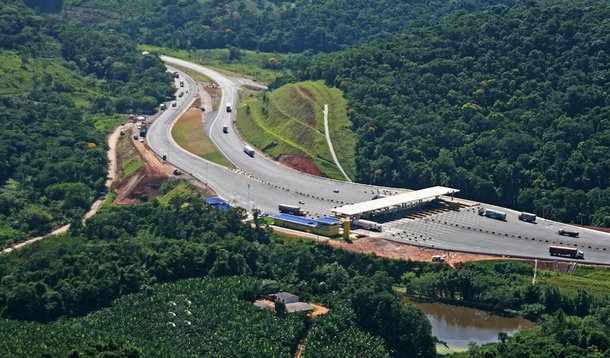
{"x": 273, "y": 25}
{"x": 91, "y": 266}
{"x": 508, "y": 105}
{"x": 57, "y": 80}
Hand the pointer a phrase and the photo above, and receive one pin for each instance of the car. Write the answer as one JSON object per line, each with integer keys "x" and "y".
{"x": 181, "y": 94}
{"x": 301, "y": 202}
{"x": 174, "y": 103}
{"x": 335, "y": 190}
{"x": 141, "y": 139}
{"x": 135, "y": 136}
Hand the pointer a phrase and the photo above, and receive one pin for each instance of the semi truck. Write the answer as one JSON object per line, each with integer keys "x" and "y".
{"x": 527, "y": 217}
{"x": 367, "y": 225}
{"x": 229, "y": 108}
{"x": 566, "y": 252}
{"x": 494, "y": 214}
{"x": 249, "y": 150}
{"x": 291, "y": 209}
{"x": 565, "y": 232}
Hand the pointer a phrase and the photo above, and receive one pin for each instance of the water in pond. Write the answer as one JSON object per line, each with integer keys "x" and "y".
{"x": 457, "y": 326}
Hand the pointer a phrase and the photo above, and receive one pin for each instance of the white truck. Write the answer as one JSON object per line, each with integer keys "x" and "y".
{"x": 368, "y": 225}
{"x": 249, "y": 150}
{"x": 494, "y": 214}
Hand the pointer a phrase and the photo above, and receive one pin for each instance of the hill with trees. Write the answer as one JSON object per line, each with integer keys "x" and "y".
{"x": 266, "y": 25}
{"x": 59, "y": 83}
{"x": 508, "y": 105}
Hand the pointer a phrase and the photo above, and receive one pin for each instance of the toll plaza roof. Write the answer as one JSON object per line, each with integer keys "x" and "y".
{"x": 296, "y": 219}
{"x": 392, "y": 201}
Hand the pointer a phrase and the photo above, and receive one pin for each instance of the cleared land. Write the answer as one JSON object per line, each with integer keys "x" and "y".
{"x": 288, "y": 125}
{"x": 188, "y": 133}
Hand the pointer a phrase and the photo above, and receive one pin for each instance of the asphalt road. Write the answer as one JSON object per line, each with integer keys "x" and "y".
{"x": 260, "y": 182}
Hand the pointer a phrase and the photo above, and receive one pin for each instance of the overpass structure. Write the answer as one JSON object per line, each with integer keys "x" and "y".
{"x": 393, "y": 203}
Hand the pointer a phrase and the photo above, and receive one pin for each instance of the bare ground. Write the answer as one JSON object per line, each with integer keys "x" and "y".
{"x": 300, "y": 163}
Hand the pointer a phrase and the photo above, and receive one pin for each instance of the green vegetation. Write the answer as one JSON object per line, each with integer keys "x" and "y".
{"x": 194, "y": 317}
{"x": 290, "y": 121}
{"x": 88, "y": 268}
{"x": 513, "y": 113}
{"x": 59, "y": 83}
{"x": 189, "y": 134}
{"x": 177, "y": 188}
{"x": 267, "y": 25}
{"x": 596, "y": 281}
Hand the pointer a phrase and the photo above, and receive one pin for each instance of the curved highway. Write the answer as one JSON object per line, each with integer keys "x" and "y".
{"x": 258, "y": 180}
{"x": 262, "y": 183}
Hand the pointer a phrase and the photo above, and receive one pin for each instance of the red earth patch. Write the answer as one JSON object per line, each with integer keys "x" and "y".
{"x": 300, "y": 163}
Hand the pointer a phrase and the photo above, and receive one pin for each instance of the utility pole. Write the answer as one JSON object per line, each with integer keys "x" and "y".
{"x": 248, "y": 201}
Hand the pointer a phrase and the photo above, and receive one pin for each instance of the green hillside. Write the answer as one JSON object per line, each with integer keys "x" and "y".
{"x": 195, "y": 317}
{"x": 290, "y": 121}
{"x": 514, "y": 113}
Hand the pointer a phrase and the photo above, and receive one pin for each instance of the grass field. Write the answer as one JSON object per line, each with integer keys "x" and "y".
{"x": 184, "y": 189}
{"x": 596, "y": 280}
{"x": 290, "y": 120}
{"x": 188, "y": 133}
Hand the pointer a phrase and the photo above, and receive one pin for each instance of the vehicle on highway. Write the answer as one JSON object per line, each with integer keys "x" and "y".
{"x": 225, "y": 129}
{"x": 180, "y": 94}
{"x": 135, "y": 136}
{"x": 494, "y": 214}
{"x": 566, "y": 252}
{"x": 181, "y": 83}
{"x": 174, "y": 104}
{"x": 335, "y": 190}
{"x": 162, "y": 106}
{"x": 141, "y": 139}
{"x": 527, "y": 217}
{"x": 565, "y": 232}
{"x": 249, "y": 150}
{"x": 301, "y": 202}
{"x": 229, "y": 107}
{"x": 176, "y": 74}
{"x": 291, "y": 209}
{"x": 367, "y": 225}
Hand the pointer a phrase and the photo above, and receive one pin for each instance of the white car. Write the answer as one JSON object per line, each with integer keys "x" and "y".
{"x": 141, "y": 139}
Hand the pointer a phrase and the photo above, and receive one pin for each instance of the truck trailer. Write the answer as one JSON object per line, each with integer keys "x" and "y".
{"x": 566, "y": 252}
{"x": 367, "y": 224}
{"x": 291, "y": 209}
{"x": 530, "y": 218}
{"x": 494, "y": 214}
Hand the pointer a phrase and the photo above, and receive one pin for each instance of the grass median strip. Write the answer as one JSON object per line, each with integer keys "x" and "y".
{"x": 188, "y": 133}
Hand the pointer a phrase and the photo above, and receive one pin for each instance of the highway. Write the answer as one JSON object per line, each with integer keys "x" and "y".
{"x": 259, "y": 181}
{"x": 262, "y": 183}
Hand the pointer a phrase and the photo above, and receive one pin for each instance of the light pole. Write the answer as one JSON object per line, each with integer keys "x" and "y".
{"x": 248, "y": 201}
{"x": 206, "y": 173}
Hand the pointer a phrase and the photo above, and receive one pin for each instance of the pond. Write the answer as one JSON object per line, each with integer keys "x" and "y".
{"x": 457, "y": 326}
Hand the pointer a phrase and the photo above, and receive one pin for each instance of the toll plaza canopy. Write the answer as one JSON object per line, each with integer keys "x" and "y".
{"x": 394, "y": 201}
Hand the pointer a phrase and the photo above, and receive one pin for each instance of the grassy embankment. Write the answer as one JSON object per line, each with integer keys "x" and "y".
{"x": 290, "y": 120}
{"x": 128, "y": 159}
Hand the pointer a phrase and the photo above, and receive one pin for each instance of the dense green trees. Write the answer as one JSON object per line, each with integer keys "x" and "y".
{"x": 57, "y": 76}
{"x": 128, "y": 249}
{"x": 283, "y": 26}
{"x": 508, "y": 105}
